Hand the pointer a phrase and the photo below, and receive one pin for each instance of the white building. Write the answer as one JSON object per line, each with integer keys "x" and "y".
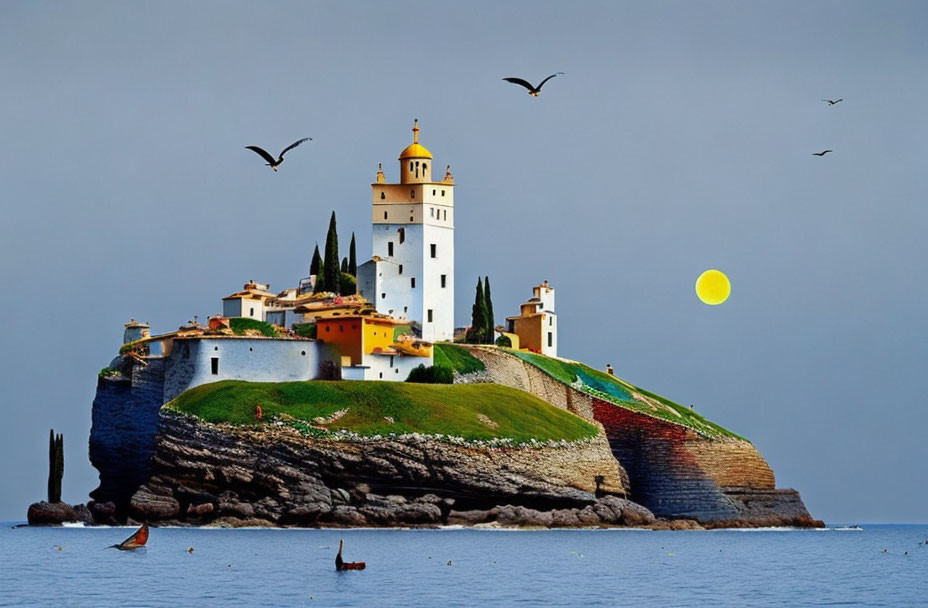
{"x": 411, "y": 273}
{"x": 250, "y": 302}
{"x": 536, "y": 324}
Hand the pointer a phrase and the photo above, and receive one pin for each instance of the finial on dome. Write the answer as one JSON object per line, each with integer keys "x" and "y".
{"x": 415, "y": 131}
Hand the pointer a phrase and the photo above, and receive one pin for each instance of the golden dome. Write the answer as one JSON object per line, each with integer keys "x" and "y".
{"x": 415, "y": 149}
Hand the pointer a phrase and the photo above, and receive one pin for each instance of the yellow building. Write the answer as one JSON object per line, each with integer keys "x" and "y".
{"x": 536, "y": 324}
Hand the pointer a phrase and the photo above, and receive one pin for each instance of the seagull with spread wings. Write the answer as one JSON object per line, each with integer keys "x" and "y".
{"x": 832, "y": 102}
{"x": 822, "y": 153}
{"x": 271, "y": 161}
{"x": 532, "y": 89}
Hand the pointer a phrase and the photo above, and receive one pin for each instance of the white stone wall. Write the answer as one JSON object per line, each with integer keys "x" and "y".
{"x": 391, "y": 281}
{"x": 549, "y": 326}
{"x": 435, "y": 297}
{"x": 251, "y": 359}
{"x": 392, "y": 368}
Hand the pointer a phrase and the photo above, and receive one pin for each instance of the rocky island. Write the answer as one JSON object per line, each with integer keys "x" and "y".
{"x": 290, "y": 409}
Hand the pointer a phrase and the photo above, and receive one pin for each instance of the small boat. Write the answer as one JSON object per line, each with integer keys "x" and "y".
{"x": 341, "y": 564}
{"x": 137, "y": 540}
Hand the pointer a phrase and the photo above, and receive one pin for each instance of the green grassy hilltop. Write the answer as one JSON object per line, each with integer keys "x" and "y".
{"x": 471, "y": 411}
{"x": 621, "y": 393}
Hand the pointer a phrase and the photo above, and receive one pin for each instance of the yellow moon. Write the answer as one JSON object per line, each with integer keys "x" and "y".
{"x": 713, "y": 287}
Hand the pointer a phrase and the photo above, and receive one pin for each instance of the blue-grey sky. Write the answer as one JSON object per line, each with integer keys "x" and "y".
{"x": 678, "y": 139}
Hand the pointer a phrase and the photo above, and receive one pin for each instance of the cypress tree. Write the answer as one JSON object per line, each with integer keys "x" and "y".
{"x": 55, "y": 465}
{"x": 352, "y": 258}
{"x": 491, "y": 325}
{"x": 319, "y": 285}
{"x": 344, "y": 264}
{"x": 317, "y": 261}
{"x": 330, "y": 267}
{"x": 478, "y": 317}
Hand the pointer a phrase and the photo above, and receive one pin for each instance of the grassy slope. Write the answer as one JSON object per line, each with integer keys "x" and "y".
{"x": 423, "y": 408}
{"x": 624, "y": 394}
{"x": 457, "y": 358}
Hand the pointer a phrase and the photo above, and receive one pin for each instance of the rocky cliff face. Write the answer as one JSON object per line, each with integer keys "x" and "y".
{"x": 157, "y": 465}
{"x": 124, "y": 425}
{"x": 673, "y": 471}
{"x": 202, "y": 473}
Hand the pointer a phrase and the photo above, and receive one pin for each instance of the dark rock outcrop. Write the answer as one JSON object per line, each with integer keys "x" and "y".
{"x": 56, "y": 513}
{"x": 124, "y": 425}
{"x": 202, "y": 473}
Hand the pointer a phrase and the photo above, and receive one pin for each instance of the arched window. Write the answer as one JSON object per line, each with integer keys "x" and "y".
{"x": 424, "y": 167}
{"x": 410, "y": 166}
{"x": 417, "y": 168}
{"x": 402, "y": 232}
{"x": 383, "y": 195}
{"x": 384, "y": 215}
{"x": 412, "y": 194}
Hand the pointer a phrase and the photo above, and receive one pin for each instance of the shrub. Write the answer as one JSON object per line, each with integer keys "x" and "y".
{"x": 348, "y": 286}
{"x": 504, "y": 341}
{"x": 307, "y": 330}
{"x": 240, "y": 325}
{"x": 433, "y": 374}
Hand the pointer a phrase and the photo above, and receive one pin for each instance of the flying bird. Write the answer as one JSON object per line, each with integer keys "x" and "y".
{"x": 532, "y": 90}
{"x": 822, "y": 153}
{"x": 271, "y": 161}
{"x": 832, "y": 102}
{"x": 136, "y": 541}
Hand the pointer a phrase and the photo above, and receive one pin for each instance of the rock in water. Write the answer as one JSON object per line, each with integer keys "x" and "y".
{"x": 50, "y": 513}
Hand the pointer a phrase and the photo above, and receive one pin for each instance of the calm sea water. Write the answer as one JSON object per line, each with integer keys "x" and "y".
{"x": 467, "y": 568}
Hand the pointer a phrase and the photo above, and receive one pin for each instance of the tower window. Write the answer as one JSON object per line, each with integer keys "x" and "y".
{"x": 433, "y": 192}
{"x": 402, "y": 232}
{"x": 251, "y": 312}
{"x": 430, "y": 315}
{"x": 214, "y": 365}
{"x": 433, "y": 248}
{"x": 424, "y": 167}
{"x": 383, "y": 195}
{"x": 401, "y": 269}
{"x": 550, "y": 339}
{"x": 412, "y": 282}
{"x": 384, "y": 215}
{"x": 412, "y": 194}
{"x": 444, "y": 214}
{"x": 382, "y": 296}
{"x": 442, "y": 192}
{"x": 410, "y": 166}
{"x": 444, "y": 280}
{"x": 390, "y": 248}
{"x": 432, "y": 210}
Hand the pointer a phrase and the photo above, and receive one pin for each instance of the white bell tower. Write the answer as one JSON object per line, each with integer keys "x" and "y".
{"x": 411, "y": 274}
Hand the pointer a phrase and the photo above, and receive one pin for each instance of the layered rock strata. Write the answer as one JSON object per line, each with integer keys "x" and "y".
{"x": 673, "y": 471}
{"x": 203, "y": 473}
